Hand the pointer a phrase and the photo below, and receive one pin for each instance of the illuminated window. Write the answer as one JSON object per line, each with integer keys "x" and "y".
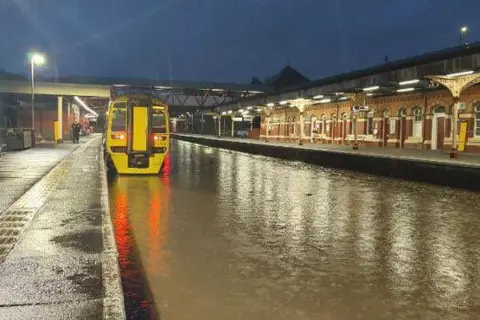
{"x": 417, "y": 122}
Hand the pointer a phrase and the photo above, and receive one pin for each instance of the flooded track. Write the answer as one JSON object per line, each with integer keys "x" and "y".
{"x": 225, "y": 235}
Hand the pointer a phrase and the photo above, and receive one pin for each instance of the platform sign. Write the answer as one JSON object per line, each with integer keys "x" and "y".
{"x": 359, "y": 108}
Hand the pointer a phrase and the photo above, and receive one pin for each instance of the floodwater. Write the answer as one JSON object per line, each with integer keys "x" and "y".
{"x": 226, "y": 235}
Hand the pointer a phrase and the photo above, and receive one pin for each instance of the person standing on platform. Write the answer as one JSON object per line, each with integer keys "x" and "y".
{"x": 76, "y": 131}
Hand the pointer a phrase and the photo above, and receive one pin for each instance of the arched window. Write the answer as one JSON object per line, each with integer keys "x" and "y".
{"x": 477, "y": 120}
{"x": 439, "y": 109}
{"x": 417, "y": 122}
{"x": 402, "y": 112}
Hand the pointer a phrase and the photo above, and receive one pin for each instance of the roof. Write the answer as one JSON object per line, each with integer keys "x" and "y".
{"x": 287, "y": 77}
{"x": 165, "y": 83}
{"x": 449, "y": 53}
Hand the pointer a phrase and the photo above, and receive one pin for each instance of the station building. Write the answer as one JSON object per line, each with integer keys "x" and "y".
{"x": 405, "y": 108}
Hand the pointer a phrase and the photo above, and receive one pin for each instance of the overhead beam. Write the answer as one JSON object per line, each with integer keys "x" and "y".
{"x": 55, "y": 88}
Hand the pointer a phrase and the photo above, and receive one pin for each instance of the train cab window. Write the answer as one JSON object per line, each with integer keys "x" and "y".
{"x": 119, "y": 117}
{"x": 158, "y": 121}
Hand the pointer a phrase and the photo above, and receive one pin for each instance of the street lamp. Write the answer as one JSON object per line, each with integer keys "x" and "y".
{"x": 463, "y": 31}
{"x": 36, "y": 59}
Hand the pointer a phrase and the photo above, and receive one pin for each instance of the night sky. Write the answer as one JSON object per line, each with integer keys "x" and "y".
{"x": 225, "y": 40}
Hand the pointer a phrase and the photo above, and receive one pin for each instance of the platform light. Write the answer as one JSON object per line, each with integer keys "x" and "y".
{"x": 259, "y": 109}
{"x": 457, "y": 74}
{"x": 241, "y": 110}
{"x": 371, "y": 88}
{"x": 405, "y": 90}
{"x": 369, "y": 94}
{"x": 38, "y": 59}
{"x": 284, "y": 102}
{"x": 229, "y": 111}
{"x": 320, "y": 96}
{"x": 343, "y": 98}
{"x": 249, "y": 108}
{"x": 271, "y": 104}
{"x": 403, "y": 83}
{"x": 224, "y": 113}
{"x": 326, "y": 100}
{"x": 84, "y": 105}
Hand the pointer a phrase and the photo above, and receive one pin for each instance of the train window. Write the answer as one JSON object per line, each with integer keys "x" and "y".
{"x": 119, "y": 117}
{"x": 158, "y": 122}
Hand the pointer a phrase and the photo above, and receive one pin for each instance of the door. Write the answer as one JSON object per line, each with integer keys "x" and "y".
{"x": 140, "y": 128}
{"x": 440, "y": 132}
{"x": 386, "y": 132}
{"x": 403, "y": 131}
{"x": 340, "y": 131}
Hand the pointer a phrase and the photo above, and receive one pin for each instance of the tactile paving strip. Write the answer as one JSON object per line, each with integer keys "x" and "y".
{"x": 17, "y": 217}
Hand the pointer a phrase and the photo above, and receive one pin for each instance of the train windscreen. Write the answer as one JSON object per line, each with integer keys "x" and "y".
{"x": 119, "y": 117}
{"x": 158, "y": 121}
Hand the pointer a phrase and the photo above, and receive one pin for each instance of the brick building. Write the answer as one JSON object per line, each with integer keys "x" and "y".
{"x": 418, "y": 117}
{"x": 420, "y": 120}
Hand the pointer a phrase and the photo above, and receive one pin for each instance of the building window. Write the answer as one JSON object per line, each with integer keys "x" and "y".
{"x": 369, "y": 128}
{"x": 477, "y": 120}
{"x": 417, "y": 122}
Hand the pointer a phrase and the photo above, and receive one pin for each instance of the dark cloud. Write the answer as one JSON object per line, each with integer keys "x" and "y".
{"x": 225, "y": 40}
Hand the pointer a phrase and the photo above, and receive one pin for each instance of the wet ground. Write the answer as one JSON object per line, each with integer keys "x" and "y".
{"x": 225, "y": 235}
{"x": 20, "y": 170}
{"x": 51, "y": 261}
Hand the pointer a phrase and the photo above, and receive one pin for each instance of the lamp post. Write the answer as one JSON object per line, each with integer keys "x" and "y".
{"x": 36, "y": 59}
{"x": 463, "y": 31}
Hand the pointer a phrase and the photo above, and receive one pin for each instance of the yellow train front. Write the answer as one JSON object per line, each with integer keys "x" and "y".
{"x": 137, "y": 135}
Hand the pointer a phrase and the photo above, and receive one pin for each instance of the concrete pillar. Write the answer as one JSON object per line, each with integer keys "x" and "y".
{"x": 219, "y": 125}
{"x": 267, "y": 128}
{"x": 60, "y": 118}
{"x": 453, "y": 153}
{"x": 302, "y": 127}
{"x": 233, "y": 127}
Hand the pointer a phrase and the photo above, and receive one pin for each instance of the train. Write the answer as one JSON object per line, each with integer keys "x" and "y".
{"x": 137, "y": 134}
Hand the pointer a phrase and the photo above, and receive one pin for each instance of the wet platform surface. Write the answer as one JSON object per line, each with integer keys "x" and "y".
{"x": 226, "y": 235}
{"x": 464, "y": 159}
{"x": 20, "y": 170}
{"x": 53, "y": 264}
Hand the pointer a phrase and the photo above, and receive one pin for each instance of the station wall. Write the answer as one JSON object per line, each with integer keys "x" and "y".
{"x": 417, "y": 120}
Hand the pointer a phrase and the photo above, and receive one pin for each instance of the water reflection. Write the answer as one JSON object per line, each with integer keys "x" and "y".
{"x": 226, "y": 235}
{"x": 140, "y": 214}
